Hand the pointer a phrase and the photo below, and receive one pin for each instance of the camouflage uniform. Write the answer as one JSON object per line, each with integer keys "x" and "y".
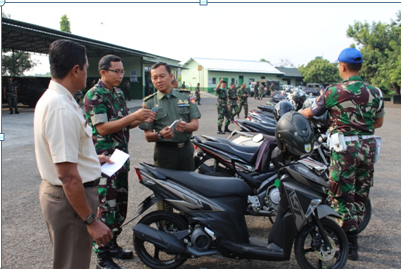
{"x": 222, "y": 110}
{"x": 256, "y": 89}
{"x": 233, "y": 102}
{"x": 243, "y": 101}
{"x": 353, "y": 108}
{"x": 12, "y": 96}
{"x": 103, "y": 105}
{"x": 197, "y": 94}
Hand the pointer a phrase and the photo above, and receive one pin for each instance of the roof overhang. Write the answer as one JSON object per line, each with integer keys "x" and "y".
{"x": 24, "y": 36}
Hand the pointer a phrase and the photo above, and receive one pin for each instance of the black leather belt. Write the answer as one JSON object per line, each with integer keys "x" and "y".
{"x": 177, "y": 145}
{"x": 92, "y": 184}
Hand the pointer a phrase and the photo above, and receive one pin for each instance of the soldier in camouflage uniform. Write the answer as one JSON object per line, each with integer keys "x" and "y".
{"x": 243, "y": 94}
{"x": 222, "y": 109}
{"x": 107, "y": 113}
{"x": 256, "y": 89}
{"x": 10, "y": 90}
{"x": 355, "y": 110}
{"x": 232, "y": 98}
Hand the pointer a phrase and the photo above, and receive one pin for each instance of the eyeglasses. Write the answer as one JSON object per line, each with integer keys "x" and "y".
{"x": 117, "y": 71}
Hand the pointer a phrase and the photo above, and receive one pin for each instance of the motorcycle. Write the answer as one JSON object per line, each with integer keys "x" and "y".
{"x": 212, "y": 220}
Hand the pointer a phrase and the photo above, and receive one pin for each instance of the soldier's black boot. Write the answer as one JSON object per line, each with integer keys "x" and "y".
{"x": 118, "y": 252}
{"x": 219, "y": 131}
{"x": 352, "y": 246}
{"x": 104, "y": 261}
{"x": 16, "y": 111}
{"x": 11, "y": 111}
{"x": 226, "y": 129}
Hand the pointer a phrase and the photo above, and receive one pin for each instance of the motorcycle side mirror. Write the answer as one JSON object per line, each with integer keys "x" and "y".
{"x": 257, "y": 138}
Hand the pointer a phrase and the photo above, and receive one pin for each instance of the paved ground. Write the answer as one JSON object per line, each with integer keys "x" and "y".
{"x": 25, "y": 242}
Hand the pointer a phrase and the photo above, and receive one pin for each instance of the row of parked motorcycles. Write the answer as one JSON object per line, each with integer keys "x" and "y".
{"x": 276, "y": 167}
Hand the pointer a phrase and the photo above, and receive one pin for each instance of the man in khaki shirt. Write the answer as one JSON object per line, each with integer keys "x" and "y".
{"x": 67, "y": 161}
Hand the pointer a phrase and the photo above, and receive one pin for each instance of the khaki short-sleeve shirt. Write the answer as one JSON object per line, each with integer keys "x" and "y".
{"x": 62, "y": 135}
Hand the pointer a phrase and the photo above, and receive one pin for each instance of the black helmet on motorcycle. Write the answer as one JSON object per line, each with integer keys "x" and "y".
{"x": 295, "y": 134}
{"x": 298, "y": 97}
{"x": 281, "y": 108}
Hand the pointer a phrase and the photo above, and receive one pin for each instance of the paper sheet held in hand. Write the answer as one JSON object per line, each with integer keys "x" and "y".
{"x": 119, "y": 158}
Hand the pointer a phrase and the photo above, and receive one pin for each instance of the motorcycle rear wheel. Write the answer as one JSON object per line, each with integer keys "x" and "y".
{"x": 150, "y": 254}
{"x": 310, "y": 252}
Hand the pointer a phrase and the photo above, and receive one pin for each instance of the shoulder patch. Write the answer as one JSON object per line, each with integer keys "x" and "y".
{"x": 149, "y": 96}
{"x": 184, "y": 90}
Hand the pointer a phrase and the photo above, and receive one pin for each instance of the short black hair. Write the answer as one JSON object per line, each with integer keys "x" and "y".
{"x": 224, "y": 82}
{"x": 105, "y": 62}
{"x": 354, "y": 66}
{"x": 156, "y": 65}
{"x": 64, "y": 55}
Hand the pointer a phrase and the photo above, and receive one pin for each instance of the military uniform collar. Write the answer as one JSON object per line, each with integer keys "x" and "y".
{"x": 161, "y": 95}
{"x": 353, "y": 78}
{"x": 103, "y": 87}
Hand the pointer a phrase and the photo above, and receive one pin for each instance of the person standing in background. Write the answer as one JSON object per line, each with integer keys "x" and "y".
{"x": 197, "y": 94}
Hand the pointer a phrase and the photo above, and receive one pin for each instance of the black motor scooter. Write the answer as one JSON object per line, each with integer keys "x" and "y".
{"x": 212, "y": 221}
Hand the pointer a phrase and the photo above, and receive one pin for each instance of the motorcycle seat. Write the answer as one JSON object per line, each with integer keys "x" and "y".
{"x": 237, "y": 150}
{"x": 263, "y": 128}
{"x": 209, "y": 186}
{"x": 247, "y": 149}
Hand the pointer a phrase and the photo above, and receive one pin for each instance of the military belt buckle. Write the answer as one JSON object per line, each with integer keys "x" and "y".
{"x": 180, "y": 145}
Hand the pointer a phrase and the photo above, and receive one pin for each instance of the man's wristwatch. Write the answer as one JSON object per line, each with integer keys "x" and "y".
{"x": 159, "y": 136}
{"x": 91, "y": 218}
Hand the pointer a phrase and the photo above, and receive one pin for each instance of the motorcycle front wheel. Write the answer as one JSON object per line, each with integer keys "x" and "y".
{"x": 150, "y": 254}
{"x": 311, "y": 253}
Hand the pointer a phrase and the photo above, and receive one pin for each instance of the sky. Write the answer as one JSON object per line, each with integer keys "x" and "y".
{"x": 249, "y": 31}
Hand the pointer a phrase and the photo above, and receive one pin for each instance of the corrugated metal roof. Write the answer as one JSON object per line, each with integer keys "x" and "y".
{"x": 244, "y": 66}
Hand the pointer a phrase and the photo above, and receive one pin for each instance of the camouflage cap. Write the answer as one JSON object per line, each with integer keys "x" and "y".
{"x": 350, "y": 56}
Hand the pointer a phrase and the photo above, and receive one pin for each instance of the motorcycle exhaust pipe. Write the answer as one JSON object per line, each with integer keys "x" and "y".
{"x": 165, "y": 241}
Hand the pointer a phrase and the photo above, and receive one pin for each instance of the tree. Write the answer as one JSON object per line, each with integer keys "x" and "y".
{"x": 22, "y": 60}
{"x": 264, "y": 60}
{"x": 65, "y": 24}
{"x": 285, "y": 63}
{"x": 380, "y": 45}
{"x": 22, "y": 63}
{"x": 319, "y": 70}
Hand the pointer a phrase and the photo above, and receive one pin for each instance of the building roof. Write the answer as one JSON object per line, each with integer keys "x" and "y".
{"x": 290, "y": 72}
{"x": 241, "y": 66}
{"x": 29, "y": 37}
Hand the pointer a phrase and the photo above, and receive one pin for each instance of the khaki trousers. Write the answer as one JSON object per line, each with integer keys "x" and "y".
{"x": 72, "y": 244}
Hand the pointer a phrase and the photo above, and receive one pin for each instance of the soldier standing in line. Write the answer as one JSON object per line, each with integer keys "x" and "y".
{"x": 222, "y": 110}
{"x": 10, "y": 90}
{"x": 107, "y": 113}
{"x": 261, "y": 91}
{"x": 197, "y": 94}
{"x": 243, "y": 94}
{"x": 232, "y": 98}
{"x": 256, "y": 89}
{"x": 355, "y": 109}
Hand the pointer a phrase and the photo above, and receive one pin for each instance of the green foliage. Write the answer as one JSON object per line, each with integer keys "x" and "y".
{"x": 23, "y": 62}
{"x": 319, "y": 70}
{"x": 65, "y": 24}
{"x": 380, "y": 45}
{"x": 264, "y": 60}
